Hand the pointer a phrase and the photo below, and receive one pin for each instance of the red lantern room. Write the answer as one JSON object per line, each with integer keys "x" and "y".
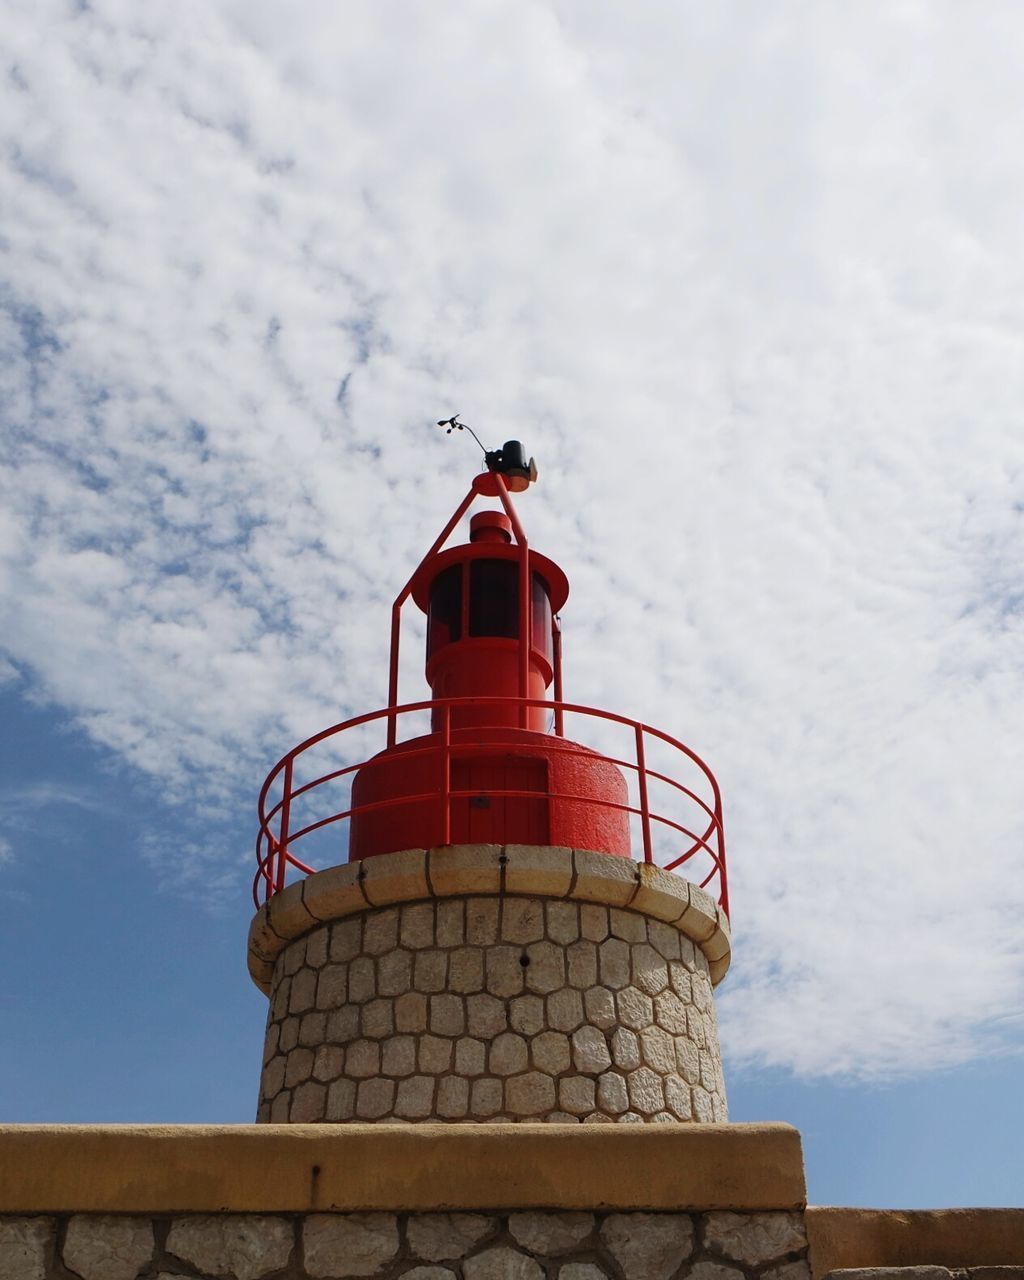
{"x": 496, "y": 766}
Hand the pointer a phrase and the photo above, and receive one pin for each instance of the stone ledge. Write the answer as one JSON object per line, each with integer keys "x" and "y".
{"x": 846, "y": 1239}
{"x": 435, "y": 1167}
{"x": 541, "y": 871}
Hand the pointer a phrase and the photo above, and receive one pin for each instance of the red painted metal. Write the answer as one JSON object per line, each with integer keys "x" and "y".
{"x": 690, "y": 834}
{"x": 488, "y": 770}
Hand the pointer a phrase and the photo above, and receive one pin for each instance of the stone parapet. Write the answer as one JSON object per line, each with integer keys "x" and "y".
{"x": 576, "y": 875}
{"x": 531, "y": 1245}
{"x": 855, "y": 1239}
{"x": 257, "y": 1169}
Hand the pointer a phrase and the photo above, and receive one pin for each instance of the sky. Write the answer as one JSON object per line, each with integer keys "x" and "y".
{"x": 747, "y": 280}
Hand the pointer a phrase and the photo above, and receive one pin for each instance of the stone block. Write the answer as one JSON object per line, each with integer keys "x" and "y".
{"x": 346, "y": 939}
{"x": 581, "y": 958}
{"x": 451, "y": 923}
{"x": 328, "y": 1062}
{"x": 710, "y": 1270}
{"x": 380, "y": 931}
{"x": 470, "y": 1056}
{"x": 362, "y": 980}
{"x": 415, "y": 1098}
{"x": 299, "y": 1067}
{"x": 535, "y": 869}
{"x": 649, "y": 969}
{"x": 576, "y": 1095}
{"x": 452, "y": 1097}
{"x": 332, "y": 894}
{"x": 604, "y": 879}
{"x": 502, "y": 1263}
{"x": 508, "y": 1055}
{"x": 438, "y": 1237}
{"x": 530, "y": 1094}
{"x": 416, "y": 925}
{"x": 636, "y": 1010}
{"x": 248, "y": 1246}
{"x": 104, "y": 1247}
{"x": 341, "y": 1100}
{"x": 599, "y": 1004}
{"x": 375, "y": 1098}
{"x": 431, "y": 971}
{"x": 646, "y": 1091}
{"x": 611, "y": 1093}
{"x": 625, "y": 1049}
{"x": 627, "y": 925}
{"x": 332, "y": 986}
{"x": 504, "y": 971}
{"x": 396, "y": 877}
{"x": 594, "y": 922}
{"x": 661, "y": 894}
{"x": 394, "y": 972}
{"x": 398, "y": 1057}
{"x": 677, "y": 1098}
{"x": 550, "y": 1233}
{"x": 485, "y": 1098}
{"x": 303, "y": 991}
{"x": 522, "y": 920}
{"x": 648, "y": 1246}
{"x": 755, "y": 1239}
{"x": 526, "y": 1014}
{"x": 562, "y": 921}
{"x": 312, "y": 1030}
{"x": 349, "y": 1244}
{"x": 546, "y": 968}
{"x": 461, "y": 869}
{"x": 658, "y": 1049}
{"x": 485, "y": 1016}
{"x": 482, "y": 921}
{"x": 614, "y": 963}
{"x": 700, "y": 919}
{"x": 664, "y": 939}
{"x": 590, "y": 1050}
{"x": 565, "y": 1009}
{"x": 316, "y": 948}
{"x": 293, "y": 957}
{"x": 343, "y": 1024}
{"x": 551, "y": 1053}
{"x": 447, "y": 1016}
{"x": 411, "y": 1012}
{"x": 362, "y": 1059}
{"x": 466, "y": 970}
{"x": 309, "y": 1102}
{"x": 435, "y": 1054}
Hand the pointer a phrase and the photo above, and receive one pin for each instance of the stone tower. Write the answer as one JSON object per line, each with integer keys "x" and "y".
{"x": 492, "y": 950}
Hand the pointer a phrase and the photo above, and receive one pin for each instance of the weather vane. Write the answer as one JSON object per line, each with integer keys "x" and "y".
{"x": 510, "y": 460}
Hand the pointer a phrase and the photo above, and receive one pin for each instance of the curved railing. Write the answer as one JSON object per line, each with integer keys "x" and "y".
{"x": 685, "y": 829}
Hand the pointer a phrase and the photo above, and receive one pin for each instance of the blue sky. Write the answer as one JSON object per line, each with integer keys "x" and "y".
{"x": 750, "y": 286}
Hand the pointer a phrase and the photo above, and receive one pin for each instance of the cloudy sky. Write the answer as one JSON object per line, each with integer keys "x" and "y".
{"x": 749, "y": 282}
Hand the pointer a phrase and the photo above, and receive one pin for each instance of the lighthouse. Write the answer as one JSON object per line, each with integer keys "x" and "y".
{"x": 522, "y": 906}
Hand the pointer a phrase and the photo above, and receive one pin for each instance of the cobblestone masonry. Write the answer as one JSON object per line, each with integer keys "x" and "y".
{"x": 497, "y": 1008}
{"x": 426, "y": 1246}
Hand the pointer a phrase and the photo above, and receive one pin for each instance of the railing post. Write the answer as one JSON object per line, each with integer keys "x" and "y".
{"x": 556, "y": 650}
{"x": 446, "y": 775}
{"x": 645, "y": 813}
{"x": 282, "y": 839}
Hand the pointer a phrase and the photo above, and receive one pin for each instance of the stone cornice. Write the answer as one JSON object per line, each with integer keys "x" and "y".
{"x": 479, "y": 869}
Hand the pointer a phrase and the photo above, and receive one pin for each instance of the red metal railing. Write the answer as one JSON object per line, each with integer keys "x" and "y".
{"x": 690, "y": 834}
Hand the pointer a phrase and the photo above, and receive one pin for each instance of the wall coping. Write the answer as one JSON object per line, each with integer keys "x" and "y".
{"x": 297, "y": 1168}
{"x": 954, "y": 1238}
{"x": 461, "y": 870}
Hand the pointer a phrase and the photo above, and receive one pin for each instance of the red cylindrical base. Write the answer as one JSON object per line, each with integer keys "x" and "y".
{"x": 507, "y": 786}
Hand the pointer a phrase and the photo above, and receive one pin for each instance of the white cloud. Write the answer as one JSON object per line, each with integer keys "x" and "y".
{"x": 749, "y": 284}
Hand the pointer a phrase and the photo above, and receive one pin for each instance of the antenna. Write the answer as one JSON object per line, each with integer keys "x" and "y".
{"x": 453, "y": 424}
{"x": 510, "y": 460}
